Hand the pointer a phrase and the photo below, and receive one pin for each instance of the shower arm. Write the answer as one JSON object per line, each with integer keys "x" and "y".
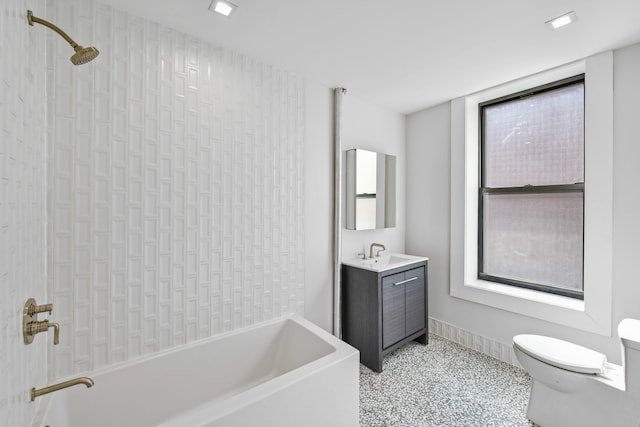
{"x": 64, "y": 35}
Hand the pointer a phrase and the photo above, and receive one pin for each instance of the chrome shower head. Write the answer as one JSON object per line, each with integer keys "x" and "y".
{"x": 81, "y": 56}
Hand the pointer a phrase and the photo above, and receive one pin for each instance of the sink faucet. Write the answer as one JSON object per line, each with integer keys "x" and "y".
{"x": 81, "y": 380}
{"x": 380, "y": 245}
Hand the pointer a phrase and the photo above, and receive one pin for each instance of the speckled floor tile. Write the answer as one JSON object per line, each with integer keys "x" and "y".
{"x": 443, "y": 384}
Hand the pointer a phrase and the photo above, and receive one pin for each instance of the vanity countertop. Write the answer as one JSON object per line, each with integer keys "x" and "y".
{"x": 384, "y": 262}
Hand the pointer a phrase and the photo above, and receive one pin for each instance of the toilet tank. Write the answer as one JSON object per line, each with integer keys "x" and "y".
{"x": 629, "y": 333}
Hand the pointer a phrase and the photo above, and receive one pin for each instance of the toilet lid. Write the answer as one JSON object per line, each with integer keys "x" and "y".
{"x": 562, "y": 354}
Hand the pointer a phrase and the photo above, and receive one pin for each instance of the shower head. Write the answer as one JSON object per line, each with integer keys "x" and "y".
{"x": 81, "y": 56}
{"x": 84, "y": 55}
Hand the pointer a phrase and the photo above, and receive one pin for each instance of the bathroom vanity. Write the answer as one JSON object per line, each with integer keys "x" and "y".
{"x": 384, "y": 305}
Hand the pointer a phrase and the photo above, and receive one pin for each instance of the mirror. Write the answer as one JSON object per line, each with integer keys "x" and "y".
{"x": 371, "y": 190}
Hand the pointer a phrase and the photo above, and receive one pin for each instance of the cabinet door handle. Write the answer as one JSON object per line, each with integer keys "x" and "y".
{"x": 405, "y": 281}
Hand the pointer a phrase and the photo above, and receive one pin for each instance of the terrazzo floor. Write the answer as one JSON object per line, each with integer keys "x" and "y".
{"x": 443, "y": 384}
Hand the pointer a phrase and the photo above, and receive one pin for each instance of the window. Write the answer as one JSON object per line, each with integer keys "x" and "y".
{"x": 594, "y": 312}
{"x": 531, "y": 194}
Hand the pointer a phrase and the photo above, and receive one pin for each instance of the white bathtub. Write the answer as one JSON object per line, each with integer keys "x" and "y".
{"x": 287, "y": 372}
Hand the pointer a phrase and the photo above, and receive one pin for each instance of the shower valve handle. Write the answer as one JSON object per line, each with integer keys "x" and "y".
{"x": 38, "y": 326}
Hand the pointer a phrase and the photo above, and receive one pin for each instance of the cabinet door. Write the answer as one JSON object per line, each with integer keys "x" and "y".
{"x": 415, "y": 300}
{"x": 393, "y": 310}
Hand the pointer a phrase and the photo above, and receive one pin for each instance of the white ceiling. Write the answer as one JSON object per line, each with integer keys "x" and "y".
{"x": 404, "y": 55}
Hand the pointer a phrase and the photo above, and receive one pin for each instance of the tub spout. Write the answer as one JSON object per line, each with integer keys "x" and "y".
{"x": 81, "y": 380}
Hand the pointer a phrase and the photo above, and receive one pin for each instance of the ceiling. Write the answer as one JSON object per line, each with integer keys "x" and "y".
{"x": 404, "y": 55}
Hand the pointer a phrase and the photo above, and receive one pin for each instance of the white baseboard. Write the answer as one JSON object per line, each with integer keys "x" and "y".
{"x": 495, "y": 349}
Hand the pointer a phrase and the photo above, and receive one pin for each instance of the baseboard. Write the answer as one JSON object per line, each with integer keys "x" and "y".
{"x": 495, "y": 349}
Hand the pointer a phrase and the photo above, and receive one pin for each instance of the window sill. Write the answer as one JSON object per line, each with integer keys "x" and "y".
{"x": 539, "y": 305}
{"x": 528, "y": 294}
{"x": 519, "y": 300}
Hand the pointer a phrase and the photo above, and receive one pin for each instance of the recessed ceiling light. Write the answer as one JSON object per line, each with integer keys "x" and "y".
{"x": 562, "y": 20}
{"x": 222, "y": 7}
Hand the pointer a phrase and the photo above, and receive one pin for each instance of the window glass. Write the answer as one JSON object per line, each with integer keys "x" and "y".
{"x": 534, "y": 238}
{"x": 531, "y": 222}
{"x": 536, "y": 140}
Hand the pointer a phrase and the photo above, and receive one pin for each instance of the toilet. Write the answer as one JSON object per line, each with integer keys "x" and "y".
{"x": 576, "y": 386}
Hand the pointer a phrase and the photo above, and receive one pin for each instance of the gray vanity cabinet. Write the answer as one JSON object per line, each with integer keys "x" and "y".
{"x": 381, "y": 311}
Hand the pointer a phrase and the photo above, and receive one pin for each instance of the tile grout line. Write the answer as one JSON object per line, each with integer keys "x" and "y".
{"x": 482, "y": 344}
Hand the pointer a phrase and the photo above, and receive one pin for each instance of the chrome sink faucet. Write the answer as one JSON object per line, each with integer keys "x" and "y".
{"x": 380, "y": 245}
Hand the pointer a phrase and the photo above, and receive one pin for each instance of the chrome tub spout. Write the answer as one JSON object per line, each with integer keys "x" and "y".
{"x": 81, "y": 380}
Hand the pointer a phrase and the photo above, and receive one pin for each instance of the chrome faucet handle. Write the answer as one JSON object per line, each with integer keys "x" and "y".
{"x": 378, "y": 252}
{"x": 363, "y": 255}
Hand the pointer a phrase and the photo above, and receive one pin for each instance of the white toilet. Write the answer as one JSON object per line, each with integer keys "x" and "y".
{"x": 576, "y": 386}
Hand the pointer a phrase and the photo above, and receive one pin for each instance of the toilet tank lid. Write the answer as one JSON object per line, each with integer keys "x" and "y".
{"x": 562, "y": 354}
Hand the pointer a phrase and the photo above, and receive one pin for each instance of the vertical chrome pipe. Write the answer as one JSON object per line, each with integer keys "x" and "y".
{"x": 338, "y": 95}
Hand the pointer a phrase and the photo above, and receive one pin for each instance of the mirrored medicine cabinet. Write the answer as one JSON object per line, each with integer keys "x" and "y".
{"x": 370, "y": 190}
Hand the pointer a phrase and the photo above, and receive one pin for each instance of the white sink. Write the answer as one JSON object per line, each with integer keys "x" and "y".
{"x": 384, "y": 262}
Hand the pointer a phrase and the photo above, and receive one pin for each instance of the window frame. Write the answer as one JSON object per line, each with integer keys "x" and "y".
{"x": 527, "y": 189}
{"x": 594, "y": 313}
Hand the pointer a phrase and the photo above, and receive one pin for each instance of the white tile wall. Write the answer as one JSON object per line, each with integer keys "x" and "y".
{"x": 482, "y": 344}
{"x": 176, "y": 208}
{"x": 22, "y": 205}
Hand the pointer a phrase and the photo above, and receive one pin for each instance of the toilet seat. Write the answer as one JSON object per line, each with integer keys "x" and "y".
{"x": 561, "y": 354}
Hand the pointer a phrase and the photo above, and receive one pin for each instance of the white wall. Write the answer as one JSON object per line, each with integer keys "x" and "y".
{"x": 364, "y": 126}
{"x": 626, "y": 197}
{"x": 428, "y": 183}
{"x": 375, "y": 128}
{"x": 22, "y": 206}
{"x": 127, "y": 185}
{"x": 177, "y": 190}
{"x": 191, "y": 190}
{"x": 318, "y": 205}
{"x": 428, "y": 219}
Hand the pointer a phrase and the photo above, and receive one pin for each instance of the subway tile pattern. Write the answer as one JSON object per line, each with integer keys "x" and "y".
{"x": 22, "y": 206}
{"x": 479, "y": 343}
{"x": 176, "y": 208}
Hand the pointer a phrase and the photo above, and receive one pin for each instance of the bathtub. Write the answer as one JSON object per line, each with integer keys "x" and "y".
{"x": 287, "y": 372}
